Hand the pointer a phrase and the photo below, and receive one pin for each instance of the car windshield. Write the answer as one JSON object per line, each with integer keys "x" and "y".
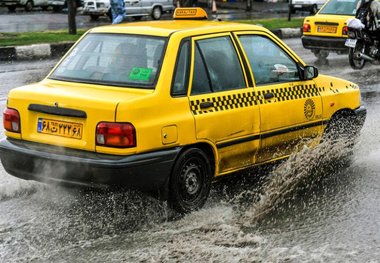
{"x": 340, "y": 7}
{"x": 113, "y": 59}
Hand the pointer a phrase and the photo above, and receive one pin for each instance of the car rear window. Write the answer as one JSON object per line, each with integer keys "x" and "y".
{"x": 113, "y": 59}
{"x": 340, "y": 7}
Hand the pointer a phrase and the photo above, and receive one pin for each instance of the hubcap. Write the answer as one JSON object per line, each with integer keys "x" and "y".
{"x": 191, "y": 181}
{"x": 156, "y": 13}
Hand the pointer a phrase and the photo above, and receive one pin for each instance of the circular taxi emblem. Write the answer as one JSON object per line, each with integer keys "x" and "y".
{"x": 309, "y": 109}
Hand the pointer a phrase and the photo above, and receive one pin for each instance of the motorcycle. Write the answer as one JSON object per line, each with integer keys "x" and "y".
{"x": 363, "y": 39}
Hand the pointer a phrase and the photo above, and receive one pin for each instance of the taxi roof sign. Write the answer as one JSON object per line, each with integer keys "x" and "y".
{"x": 191, "y": 13}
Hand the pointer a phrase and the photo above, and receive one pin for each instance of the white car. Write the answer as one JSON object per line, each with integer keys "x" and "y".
{"x": 306, "y": 5}
{"x": 26, "y": 4}
{"x": 134, "y": 8}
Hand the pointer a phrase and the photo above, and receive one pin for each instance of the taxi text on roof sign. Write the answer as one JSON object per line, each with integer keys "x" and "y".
{"x": 190, "y": 13}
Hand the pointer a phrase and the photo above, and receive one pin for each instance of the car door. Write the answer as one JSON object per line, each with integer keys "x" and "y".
{"x": 133, "y": 7}
{"x": 291, "y": 108}
{"x": 225, "y": 110}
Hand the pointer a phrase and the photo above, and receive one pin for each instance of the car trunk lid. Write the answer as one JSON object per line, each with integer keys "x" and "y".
{"x": 66, "y": 114}
{"x": 327, "y": 25}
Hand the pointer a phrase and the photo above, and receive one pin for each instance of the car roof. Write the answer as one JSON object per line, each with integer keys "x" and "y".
{"x": 166, "y": 28}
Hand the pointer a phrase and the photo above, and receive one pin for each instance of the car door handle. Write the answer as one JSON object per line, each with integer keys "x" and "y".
{"x": 268, "y": 96}
{"x": 205, "y": 105}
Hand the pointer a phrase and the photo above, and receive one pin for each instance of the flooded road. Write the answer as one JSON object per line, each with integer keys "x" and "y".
{"x": 321, "y": 205}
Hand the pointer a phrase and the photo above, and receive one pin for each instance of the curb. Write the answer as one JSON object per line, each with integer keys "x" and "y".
{"x": 36, "y": 51}
{"x": 55, "y": 50}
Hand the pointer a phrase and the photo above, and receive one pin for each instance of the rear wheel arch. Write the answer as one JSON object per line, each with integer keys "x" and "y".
{"x": 208, "y": 149}
{"x": 344, "y": 120}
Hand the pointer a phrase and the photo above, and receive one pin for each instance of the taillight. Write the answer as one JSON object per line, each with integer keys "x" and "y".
{"x": 115, "y": 134}
{"x": 11, "y": 119}
{"x": 345, "y": 30}
{"x": 306, "y": 28}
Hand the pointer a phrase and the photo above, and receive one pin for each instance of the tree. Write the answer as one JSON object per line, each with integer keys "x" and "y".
{"x": 72, "y": 12}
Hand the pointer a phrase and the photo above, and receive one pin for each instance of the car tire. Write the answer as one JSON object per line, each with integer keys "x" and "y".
{"x": 29, "y": 6}
{"x": 12, "y": 8}
{"x": 94, "y": 17}
{"x": 190, "y": 181}
{"x": 356, "y": 63}
{"x": 156, "y": 13}
{"x": 57, "y": 9}
{"x": 343, "y": 126}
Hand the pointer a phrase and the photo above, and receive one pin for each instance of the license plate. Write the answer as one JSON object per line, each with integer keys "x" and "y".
{"x": 60, "y": 128}
{"x": 350, "y": 42}
{"x": 327, "y": 29}
{"x": 297, "y": 6}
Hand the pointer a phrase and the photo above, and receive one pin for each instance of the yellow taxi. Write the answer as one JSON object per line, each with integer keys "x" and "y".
{"x": 167, "y": 107}
{"x": 327, "y": 30}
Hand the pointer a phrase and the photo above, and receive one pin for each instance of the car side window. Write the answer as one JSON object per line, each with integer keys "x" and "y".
{"x": 269, "y": 63}
{"x": 180, "y": 83}
{"x": 216, "y": 66}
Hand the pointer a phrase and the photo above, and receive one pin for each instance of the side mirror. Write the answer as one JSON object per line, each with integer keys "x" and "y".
{"x": 310, "y": 72}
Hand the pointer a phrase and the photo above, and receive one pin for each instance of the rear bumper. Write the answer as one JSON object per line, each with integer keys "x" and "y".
{"x": 31, "y": 161}
{"x": 325, "y": 43}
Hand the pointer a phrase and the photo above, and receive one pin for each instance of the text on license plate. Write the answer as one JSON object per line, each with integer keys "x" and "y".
{"x": 60, "y": 128}
{"x": 326, "y": 29}
{"x": 350, "y": 42}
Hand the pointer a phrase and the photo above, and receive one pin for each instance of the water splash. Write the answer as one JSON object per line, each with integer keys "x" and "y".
{"x": 298, "y": 173}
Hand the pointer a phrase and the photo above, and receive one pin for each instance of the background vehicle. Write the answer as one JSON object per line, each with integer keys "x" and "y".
{"x": 58, "y": 5}
{"x": 27, "y": 4}
{"x": 364, "y": 36}
{"x": 327, "y": 30}
{"x": 311, "y": 6}
{"x": 134, "y": 8}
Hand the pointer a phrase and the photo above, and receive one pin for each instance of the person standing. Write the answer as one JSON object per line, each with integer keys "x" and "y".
{"x": 117, "y": 10}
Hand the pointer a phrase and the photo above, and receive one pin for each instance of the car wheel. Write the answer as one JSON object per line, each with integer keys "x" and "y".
{"x": 190, "y": 181}
{"x": 12, "y": 8}
{"x": 29, "y": 6}
{"x": 156, "y": 13}
{"x": 94, "y": 17}
{"x": 355, "y": 61}
{"x": 344, "y": 126}
{"x": 313, "y": 10}
{"x": 57, "y": 9}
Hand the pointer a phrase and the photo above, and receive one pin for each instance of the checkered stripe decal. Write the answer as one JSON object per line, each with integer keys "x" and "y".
{"x": 228, "y": 102}
{"x": 296, "y": 92}
{"x": 247, "y": 99}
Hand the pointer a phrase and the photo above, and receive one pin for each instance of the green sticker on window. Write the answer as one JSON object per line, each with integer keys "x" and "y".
{"x": 142, "y": 74}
